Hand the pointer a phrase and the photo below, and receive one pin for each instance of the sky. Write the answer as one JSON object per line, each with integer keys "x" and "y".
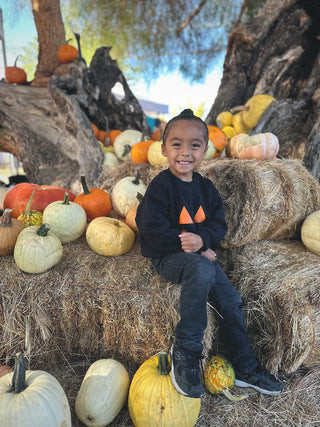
{"x": 170, "y": 89}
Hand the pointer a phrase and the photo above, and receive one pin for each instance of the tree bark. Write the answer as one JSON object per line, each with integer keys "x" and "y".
{"x": 277, "y": 54}
{"x": 51, "y": 35}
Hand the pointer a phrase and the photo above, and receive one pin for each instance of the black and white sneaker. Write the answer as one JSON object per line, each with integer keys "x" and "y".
{"x": 261, "y": 380}
{"x": 185, "y": 372}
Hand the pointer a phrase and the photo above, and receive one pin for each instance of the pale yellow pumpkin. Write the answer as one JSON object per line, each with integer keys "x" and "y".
{"x": 109, "y": 236}
{"x": 124, "y": 141}
{"x": 32, "y": 399}
{"x": 153, "y": 401}
{"x": 123, "y": 195}
{"x": 37, "y": 249}
{"x": 238, "y": 124}
{"x": 155, "y": 156}
{"x": 262, "y": 146}
{"x": 210, "y": 151}
{"x": 310, "y": 232}
{"x": 67, "y": 220}
{"x": 103, "y": 393}
{"x": 224, "y": 119}
{"x": 253, "y": 109}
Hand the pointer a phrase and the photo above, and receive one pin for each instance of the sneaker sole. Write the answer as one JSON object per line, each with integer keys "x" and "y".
{"x": 239, "y": 383}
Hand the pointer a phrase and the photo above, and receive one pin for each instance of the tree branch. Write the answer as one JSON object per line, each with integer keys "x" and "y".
{"x": 193, "y": 14}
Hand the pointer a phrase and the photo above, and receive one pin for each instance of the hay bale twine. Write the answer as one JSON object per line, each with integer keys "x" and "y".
{"x": 89, "y": 306}
{"x": 279, "y": 281}
{"x": 262, "y": 199}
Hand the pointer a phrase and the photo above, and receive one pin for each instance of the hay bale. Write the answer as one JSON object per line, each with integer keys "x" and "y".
{"x": 262, "y": 199}
{"x": 280, "y": 284}
{"x": 88, "y": 305}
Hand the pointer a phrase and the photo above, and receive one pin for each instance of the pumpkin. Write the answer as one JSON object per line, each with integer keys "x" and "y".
{"x": 96, "y": 202}
{"x": 95, "y": 130}
{"x": 67, "y": 220}
{"x": 139, "y": 151}
{"x": 112, "y": 134}
{"x": 219, "y": 377}
{"x": 15, "y": 74}
{"x": 155, "y": 156}
{"x": 210, "y": 151}
{"x": 156, "y": 135}
{"x": 32, "y": 399}
{"x": 153, "y": 401}
{"x": 131, "y": 215}
{"x": 124, "y": 141}
{"x": 109, "y": 236}
{"x": 103, "y": 392}
{"x": 229, "y": 131}
{"x": 106, "y": 148}
{"x": 37, "y": 249}
{"x": 18, "y": 196}
{"x": 224, "y": 119}
{"x": 253, "y": 109}
{"x": 310, "y": 232}
{"x": 238, "y": 124}
{"x": 67, "y": 53}
{"x": 30, "y": 217}
{"x": 103, "y": 137}
{"x": 10, "y": 228}
{"x": 219, "y": 139}
{"x": 124, "y": 192}
{"x": 262, "y": 146}
{"x": 110, "y": 159}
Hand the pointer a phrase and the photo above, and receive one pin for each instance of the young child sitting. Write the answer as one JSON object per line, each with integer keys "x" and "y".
{"x": 181, "y": 223}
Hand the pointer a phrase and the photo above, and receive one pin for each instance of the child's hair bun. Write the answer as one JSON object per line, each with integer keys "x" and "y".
{"x": 187, "y": 113}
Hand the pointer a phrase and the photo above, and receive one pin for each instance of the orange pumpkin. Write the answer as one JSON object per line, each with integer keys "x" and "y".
{"x": 156, "y": 135}
{"x": 131, "y": 215}
{"x": 139, "y": 151}
{"x": 15, "y": 74}
{"x": 18, "y": 196}
{"x": 95, "y": 130}
{"x": 261, "y": 146}
{"x": 67, "y": 53}
{"x": 219, "y": 139}
{"x": 112, "y": 134}
{"x": 4, "y": 370}
{"x": 102, "y": 135}
{"x": 96, "y": 202}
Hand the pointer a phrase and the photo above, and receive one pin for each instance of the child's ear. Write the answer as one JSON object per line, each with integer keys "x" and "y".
{"x": 164, "y": 150}
{"x": 205, "y": 152}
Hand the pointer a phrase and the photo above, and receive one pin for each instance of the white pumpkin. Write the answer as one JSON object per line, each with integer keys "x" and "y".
{"x": 123, "y": 195}
{"x": 110, "y": 160}
{"x": 103, "y": 393}
{"x": 211, "y": 150}
{"x": 42, "y": 403}
{"x": 124, "y": 141}
{"x": 310, "y": 232}
{"x": 37, "y": 249}
{"x": 67, "y": 220}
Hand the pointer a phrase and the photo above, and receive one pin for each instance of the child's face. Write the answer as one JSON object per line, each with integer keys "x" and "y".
{"x": 185, "y": 148}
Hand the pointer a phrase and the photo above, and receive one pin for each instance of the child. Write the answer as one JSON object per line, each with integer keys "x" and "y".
{"x": 181, "y": 223}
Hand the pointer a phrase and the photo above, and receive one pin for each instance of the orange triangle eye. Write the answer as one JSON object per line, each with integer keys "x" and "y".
{"x": 200, "y": 215}
{"x": 185, "y": 218}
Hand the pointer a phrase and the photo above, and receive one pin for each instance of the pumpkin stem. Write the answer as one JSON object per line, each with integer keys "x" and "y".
{"x": 139, "y": 196}
{"x": 233, "y": 397}
{"x": 163, "y": 363}
{"x": 137, "y": 178}
{"x": 28, "y": 208}
{"x": 19, "y": 375}
{"x": 6, "y": 218}
{"x": 43, "y": 230}
{"x": 84, "y": 185}
{"x": 15, "y": 62}
{"x": 239, "y": 108}
{"x": 66, "y": 199}
{"x": 126, "y": 150}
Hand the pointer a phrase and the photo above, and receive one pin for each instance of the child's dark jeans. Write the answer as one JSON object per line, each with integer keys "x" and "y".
{"x": 204, "y": 280}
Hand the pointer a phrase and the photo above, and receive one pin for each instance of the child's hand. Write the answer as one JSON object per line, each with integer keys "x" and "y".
{"x": 209, "y": 253}
{"x": 190, "y": 242}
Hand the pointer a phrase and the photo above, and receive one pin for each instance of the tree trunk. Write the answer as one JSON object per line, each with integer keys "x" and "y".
{"x": 51, "y": 35}
{"x": 278, "y": 54}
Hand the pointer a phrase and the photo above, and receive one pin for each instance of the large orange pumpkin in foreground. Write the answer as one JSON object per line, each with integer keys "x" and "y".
{"x": 18, "y": 196}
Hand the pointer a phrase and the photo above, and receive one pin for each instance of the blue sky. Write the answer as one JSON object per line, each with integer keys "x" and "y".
{"x": 170, "y": 89}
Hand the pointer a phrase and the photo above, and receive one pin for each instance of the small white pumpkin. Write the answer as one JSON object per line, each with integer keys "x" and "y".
{"x": 37, "y": 249}
{"x": 67, "y": 220}
{"x": 124, "y": 141}
{"x": 32, "y": 399}
{"x": 123, "y": 195}
{"x": 103, "y": 393}
{"x": 310, "y": 232}
{"x": 110, "y": 160}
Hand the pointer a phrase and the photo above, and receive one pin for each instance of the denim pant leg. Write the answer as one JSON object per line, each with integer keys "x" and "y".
{"x": 196, "y": 273}
{"x": 228, "y": 302}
